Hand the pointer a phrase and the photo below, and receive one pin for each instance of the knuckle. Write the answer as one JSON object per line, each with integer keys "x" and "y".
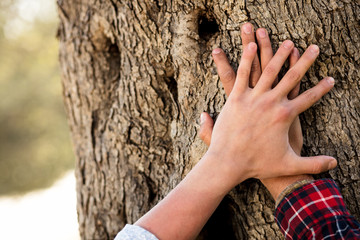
{"x": 317, "y": 167}
{"x": 265, "y": 48}
{"x": 293, "y": 75}
{"x": 269, "y": 101}
{"x": 283, "y": 113}
{"x": 311, "y": 96}
{"x": 270, "y": 70}
{"x": 242, "y": 73}
{"x": 308, "y": 56}
{"x": 255, "y": 66}
{"x": 227, "y": 76}
{"x": 234, "y": 99}
{"x": 267, "y": 44}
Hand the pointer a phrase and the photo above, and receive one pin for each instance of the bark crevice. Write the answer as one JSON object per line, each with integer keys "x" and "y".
{"x": 137, "y": 75}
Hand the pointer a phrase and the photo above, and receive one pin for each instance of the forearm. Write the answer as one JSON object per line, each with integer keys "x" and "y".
{"x": 185, "y": 210}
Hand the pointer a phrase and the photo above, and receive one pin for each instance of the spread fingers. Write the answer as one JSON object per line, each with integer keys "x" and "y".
{"x": 311, "y": 96}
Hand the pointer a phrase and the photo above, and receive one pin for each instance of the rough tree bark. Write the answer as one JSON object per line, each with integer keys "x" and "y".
{"x": 137, "y": 74}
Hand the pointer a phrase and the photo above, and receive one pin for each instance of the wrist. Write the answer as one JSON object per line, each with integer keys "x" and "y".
{"x": 190, "y": 204}
{"x": 277, "y": 185}
{"x": 213, "y": 173}
{"x": 291, "y": 188}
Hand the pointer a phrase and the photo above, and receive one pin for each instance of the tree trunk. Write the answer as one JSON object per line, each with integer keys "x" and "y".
{"x": 137, "y": 74}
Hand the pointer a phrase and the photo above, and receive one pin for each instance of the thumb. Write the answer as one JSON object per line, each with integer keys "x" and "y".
{"x": 314, "y": 165}
{"x": 206, "y": 127}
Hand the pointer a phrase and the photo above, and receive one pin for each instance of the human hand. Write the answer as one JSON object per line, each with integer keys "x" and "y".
{"x": 257, "y": 121}
{"x": 227, "y": 77}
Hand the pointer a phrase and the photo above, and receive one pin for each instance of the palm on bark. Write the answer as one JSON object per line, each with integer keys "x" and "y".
{"x": 228, "y": 76}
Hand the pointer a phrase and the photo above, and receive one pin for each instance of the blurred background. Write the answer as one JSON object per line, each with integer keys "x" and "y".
{"x": 37, "y": 186}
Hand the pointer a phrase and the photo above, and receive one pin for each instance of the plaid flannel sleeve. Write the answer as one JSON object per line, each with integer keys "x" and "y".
{"x": 316, "y": 211}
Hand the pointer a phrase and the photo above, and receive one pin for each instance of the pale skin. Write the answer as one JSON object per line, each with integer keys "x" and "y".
{"x": 227, "y": 77}
{"x": 250, "y": 139}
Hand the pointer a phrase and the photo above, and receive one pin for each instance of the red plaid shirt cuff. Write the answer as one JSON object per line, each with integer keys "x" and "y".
{"x": 316, "y": 211}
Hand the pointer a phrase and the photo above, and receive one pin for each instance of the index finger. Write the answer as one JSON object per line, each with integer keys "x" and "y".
{"x": 294, "y": 75}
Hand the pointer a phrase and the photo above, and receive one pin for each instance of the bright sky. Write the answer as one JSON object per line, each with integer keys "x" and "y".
{"x": 23, "y": 13}
{"x": 46, "y": 214}
{"x": 42, "y": 215}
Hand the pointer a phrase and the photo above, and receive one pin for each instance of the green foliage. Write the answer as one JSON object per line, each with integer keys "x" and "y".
{"x": 34, "y": 137}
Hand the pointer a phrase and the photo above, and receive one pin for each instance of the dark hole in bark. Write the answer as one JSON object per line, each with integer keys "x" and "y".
{"x": 207, "y": 27}
{"x": 94, "y": 124}
{"x": 114, "y": 49}
{"x": 151, "y": 187}
{"x": 220, "y": 224}
{"x": 114, "y": 61}
{"x": 172, "y": 86}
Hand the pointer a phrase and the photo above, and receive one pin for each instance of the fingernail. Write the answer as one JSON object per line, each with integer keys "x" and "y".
{"x": 314, "y": 49}
{"x": 247, "y": 28}
{"x": 332, "y": 164}
{"x": 331, "y": 81}
{"x": 216, "y": 51}
{"x": 287, "y": 44}
{"x": 262, "y": 33}
{"x": 202, "y": 118}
